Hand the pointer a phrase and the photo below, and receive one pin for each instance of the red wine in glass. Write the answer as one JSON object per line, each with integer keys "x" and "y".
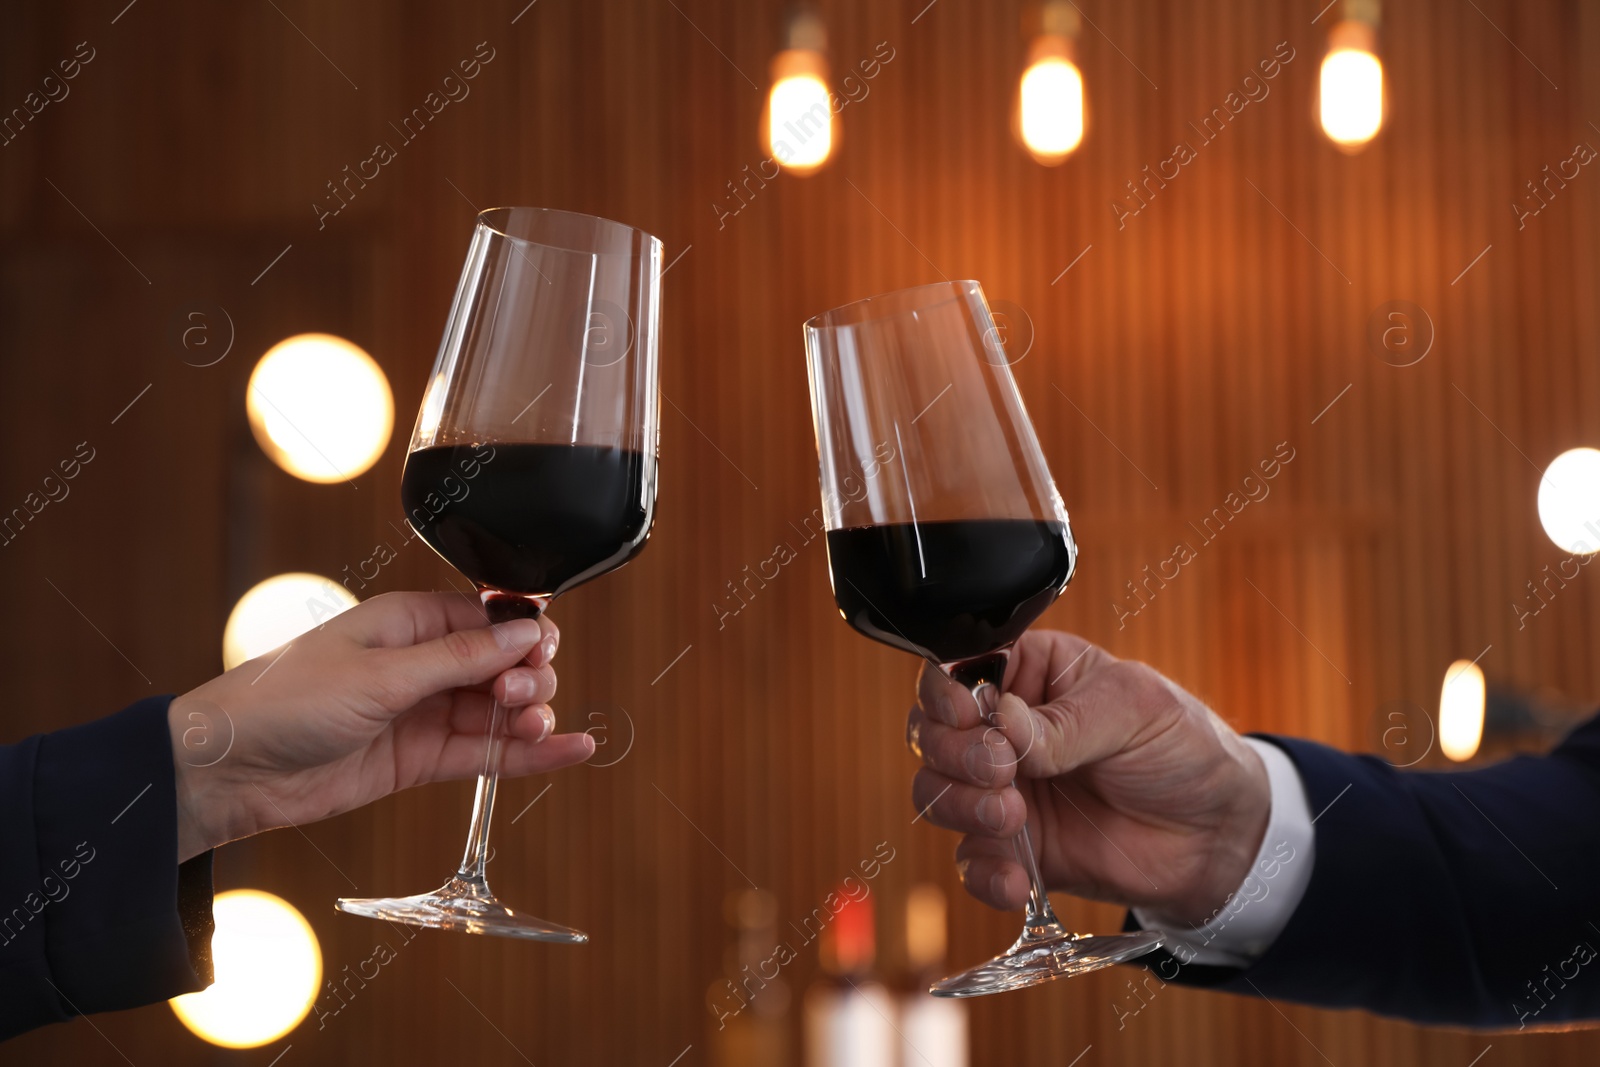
{"x": 949, "y": 591}
{"x": 536, "y": 520}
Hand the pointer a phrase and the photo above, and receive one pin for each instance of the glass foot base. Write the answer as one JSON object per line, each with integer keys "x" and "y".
{"x": 1034, "y": 960}
{"x": 465, "y": 905}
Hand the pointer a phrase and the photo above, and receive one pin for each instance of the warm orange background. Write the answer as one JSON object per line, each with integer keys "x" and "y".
{"x": 1175, "y": 354}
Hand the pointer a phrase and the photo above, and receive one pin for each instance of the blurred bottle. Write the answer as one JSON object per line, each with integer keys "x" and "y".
{"x": 849, "y": 1015}
{"x": 933, "y": 1030}
{"x": 749, "y": 1005}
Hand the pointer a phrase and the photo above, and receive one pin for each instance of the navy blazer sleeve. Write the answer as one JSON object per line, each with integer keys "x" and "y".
{"x": 96, "y": 913}
{"x": 1467, "y": 898}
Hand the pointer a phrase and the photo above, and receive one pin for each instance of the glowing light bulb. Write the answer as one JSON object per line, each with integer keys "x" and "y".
{"x": 1461, "y": 701}
{"x": 268, "y": 968}
{"x": 1351, "y": 88}
{"x": 277, "y": 611}
{"x": 799, "y": 118}
{"x": 798, "y": 121}
{"x": 1050, "y": 109}
{"x": 320, "y": 407}
{"x": 1569, "y": 501}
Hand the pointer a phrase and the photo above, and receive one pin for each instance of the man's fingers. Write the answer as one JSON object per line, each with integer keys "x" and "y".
{"x": 990, "y": 872}
{"x": 1109, "y": 711}
{"x": 1044, "y": 664}
{"x": 945, "y": 701}
{"x": 1048, "y": 662}
{"x": 969, "y": 809}
{"x": 980, "y": 756}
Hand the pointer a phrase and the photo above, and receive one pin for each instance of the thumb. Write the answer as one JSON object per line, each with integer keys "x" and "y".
{"x": 1110, "y": 711}
{"x": 459, "y": 658}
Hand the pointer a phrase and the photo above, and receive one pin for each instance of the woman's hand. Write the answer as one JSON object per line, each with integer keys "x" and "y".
{"x": 393, "y": 693}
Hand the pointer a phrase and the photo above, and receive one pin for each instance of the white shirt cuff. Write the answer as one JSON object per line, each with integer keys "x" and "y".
{"x": 1242, "y": 930}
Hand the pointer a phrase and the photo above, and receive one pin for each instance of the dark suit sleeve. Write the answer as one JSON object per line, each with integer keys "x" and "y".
{"x": 96, "y": 913}
{"x": 1468, "y": 898}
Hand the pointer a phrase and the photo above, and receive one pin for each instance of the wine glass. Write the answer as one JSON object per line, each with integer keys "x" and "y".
{"x": 946, "y": 536}
{"x": 532, "y": 468}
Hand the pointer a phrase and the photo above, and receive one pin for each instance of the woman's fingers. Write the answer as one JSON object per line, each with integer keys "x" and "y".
{"x": 468, "y": 713}
{"x": 404, "y": 619}
{"x": 427, "y": 642}
{"x": 563, "y": 750}
{"x": 552, "y": 638}
{"x": 532, "y": 723}
{"x": 525, "y": 685}
{"x": 462, "y": 754}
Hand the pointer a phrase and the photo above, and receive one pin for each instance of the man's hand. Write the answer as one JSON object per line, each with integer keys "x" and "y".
{"x": 392, "y": 693}
{"x": 1135, "y": 792}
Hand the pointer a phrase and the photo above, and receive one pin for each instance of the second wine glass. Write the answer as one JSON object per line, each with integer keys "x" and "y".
{"x": 946, "y": 536}
{"x": 532, "y": 468}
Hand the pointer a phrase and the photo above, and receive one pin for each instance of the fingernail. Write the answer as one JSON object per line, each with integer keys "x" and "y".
{"x": 988, "y": 703}
{"x": 992, "y": 812}
{"x": 549, "y": 718}
{"x": 914, "y": 739}
{"x": 961, "y": 869}
{"x": 519, "y": 689}
{"x": 517, "y": 635}
{"x": 547, "y": 648}
{"x": 980, "y": 764}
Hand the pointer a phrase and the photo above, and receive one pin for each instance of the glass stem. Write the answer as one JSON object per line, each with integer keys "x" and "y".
{"x": 477, "y": 853}
{"x": 1041, "y": 922}
{"x": 498, "y": 607}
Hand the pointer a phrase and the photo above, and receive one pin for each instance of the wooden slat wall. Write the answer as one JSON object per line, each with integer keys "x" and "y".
{"x": 1176, "y": 354}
